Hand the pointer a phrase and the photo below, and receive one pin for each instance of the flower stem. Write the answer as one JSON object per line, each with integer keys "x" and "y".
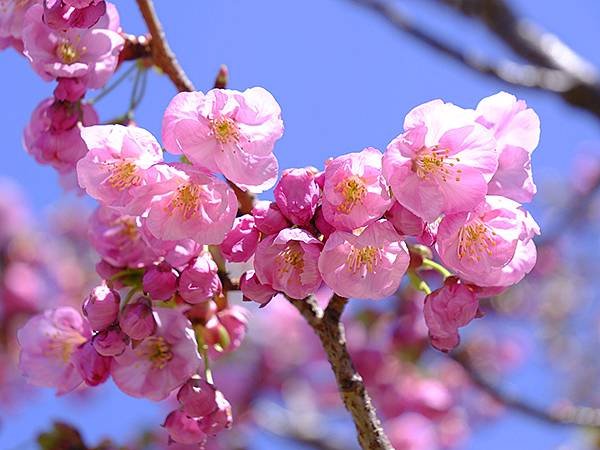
{"x": 430, "y": 264}
{"x": 418, "y": 283}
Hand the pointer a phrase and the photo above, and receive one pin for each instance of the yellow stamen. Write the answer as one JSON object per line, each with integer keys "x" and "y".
{"x": 187, "y": 200}
{"x": 354, "y": 191}
{"x": 62, "y": 346}
{"x": 474, "y": 239}
{"x": 156, "y": 350}
{"x": 436, "y": 162}
{"x": 291, "y": 258}
{"x": 225, "y": 130}
{"x": 367, "y": 257}
{"x": 123, "y": 175}
{"x": 67, "y": 52}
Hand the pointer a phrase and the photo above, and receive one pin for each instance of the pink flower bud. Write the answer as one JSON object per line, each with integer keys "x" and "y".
{"x": 63, "y": 116}
{"x": 254, "y": 290}
{"x": 93, "y": 367}
{"x": 101, "y": 307}
{"x": 268, "y": 218}
{"x": 322, "y": 225}
{"x": 184, "y": 429}
{"x": 111, "y": 341}
{"x": 297, "y": 195}
{"x": 197, "y": 397}
{"x": 137, "y": 320}
{"x": 160, "y": 281}
{"x": 200, "y": 281}
{"x": 404, "y": 221}
{"x": 70, "y": 89}
{"x": 220, "y": 419}
{"x": 106, "y": 271}
{"x": 235, "y": 321}
{"x": 240, "y": 243}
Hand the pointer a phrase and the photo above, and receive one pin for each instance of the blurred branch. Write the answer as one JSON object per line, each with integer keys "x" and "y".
{"x": 357, "y": 401}
{"x": 162, "y": 55}
{"x": 565, "y": 415}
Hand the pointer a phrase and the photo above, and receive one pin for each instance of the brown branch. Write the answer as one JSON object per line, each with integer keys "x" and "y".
{"x": 163, "y": 56}
{"x": 565, "y": 415}
{"x": 357, "y": 401}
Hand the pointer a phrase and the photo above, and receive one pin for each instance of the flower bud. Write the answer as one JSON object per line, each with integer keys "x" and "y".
{"x": 106, "y": 271}
{"x": 200, "y": 281}
{"x": 268, "y": 218}
{"x": 220, "y": 419}
{"x": 297, "y": 195}
{"x": 322, "y": 225}
{"x": 404, "y": 221}
{"x": 253, "y": 290}
{"x": 101, "y": 307}
{"x": 235, "y": 321}
{"x": 137, "y": 320}
{"x": 184, "y": 429}
{"x": 93, "y": 367}
{"x": 240, "y": 243}
{"x": 63, "y": 116}
{"x": 160, "y": 281}
{"x": 70, "y": 89}
{"x": 111, "y": 341}
{"x": 197, "y": 397}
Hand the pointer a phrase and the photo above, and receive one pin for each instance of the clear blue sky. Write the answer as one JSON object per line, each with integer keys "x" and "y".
{"x": 345, "y": 80}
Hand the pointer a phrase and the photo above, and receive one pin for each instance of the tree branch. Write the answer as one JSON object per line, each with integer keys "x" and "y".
{"x": 163, "y": 56}
{"x": 357, "y": 401}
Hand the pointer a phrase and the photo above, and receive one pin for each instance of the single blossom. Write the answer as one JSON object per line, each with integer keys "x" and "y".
{"x": 254, "y": 290}
{"x": 48, "y": 341}
{"x": 443, "y": 161}
{"x": 193, "y": 205}
{"x": 197, "y": 397}
{"x": 114, "y": 169}
{"x": 200, "y": 281}
{"x": 355, "y": 193}
{"x": 93, "y": 367}
{"x": 517, "y": 131}
{"x": 111, "y": 341}
{"x": 90, "y": 54}
{"x": 184, "y": 429}
{"x": 268, "y": 218}
{"x": 368, "y": 265}
{"x": 240, "y": 243}
{"x": 160, "y": 281}
{"x": 101, "y": 307}
{"x": 228, "y": 132}
{"x": 137, "y": 319}
{"x": 447, "y": 309}
{"x": 161, "y": 362}
{"x": 297, "y": 195}
{"x": 65, "y": 14}
{"x": 235, "y": 321}
{"x": 480, "y": 244}
{"x": 288, "y": 260}
{"x": 50, "y": 140}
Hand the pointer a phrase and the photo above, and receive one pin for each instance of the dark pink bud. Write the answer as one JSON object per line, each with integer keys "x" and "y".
{"x": 404, "y": 221}
{"x": 268, "y": 218}
{"x": 254, "y": 290}
{"x": 297, "y": 195}
{"x": 70, "y": 89}
{"x": 160, "y": 282}
{"x": 62, "y": 15}
{"x": 137, "y": 320}
{"x": 240, "y": 243}
{"x": 197, "y": 397}
{"x": 200, "y": 282}
{"x": 220, "y": 419}
{"x": 322, "y": 225}
{"x": 235, "y": 321}
{"x": 63, "y": 116}
{"x": 111, "y": 341}
{"x": 93, "y": 367}
{"x": 184, "y": 429}
{"x": 107, "y": 272}
{"x": 101, "y": 307}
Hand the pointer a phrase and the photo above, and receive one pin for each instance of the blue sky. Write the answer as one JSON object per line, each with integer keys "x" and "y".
{"x": 344, "y": 80}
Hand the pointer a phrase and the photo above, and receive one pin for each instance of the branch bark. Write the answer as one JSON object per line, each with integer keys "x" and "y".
{"x": 330, "y": 330}
{"x": 163, "y": 56}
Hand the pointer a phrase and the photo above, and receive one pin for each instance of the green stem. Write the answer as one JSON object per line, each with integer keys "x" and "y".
{"x": 107, "y": 90}
{"x": 130, "y": 295}
{"x": 418, "y": 283}
{"x": 203, "y": 350}
{"x": 437, "y": 267}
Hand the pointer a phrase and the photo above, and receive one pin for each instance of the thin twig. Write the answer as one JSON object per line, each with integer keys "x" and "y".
{"x": 163, "y": 56}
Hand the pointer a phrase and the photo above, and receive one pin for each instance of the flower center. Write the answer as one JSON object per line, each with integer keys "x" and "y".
{"x": 63, "y": 345}
{"x": 67, "y": 52}
{"x": 368, "y": 257}
{"x": 225, "y": 130}
{"x": 436, "y": 162}
{"x": 128, "y": 227}
{"x": 291, "y": 258}
{"x": 123, "y": 175}
{"x": 353, "y": 190}
{"x": 474, "y": 240}
{"x": 157, "y": 351}
{"x": 187, "y": 200}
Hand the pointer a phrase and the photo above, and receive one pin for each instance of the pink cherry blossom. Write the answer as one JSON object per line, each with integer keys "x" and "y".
{"x": 160, "y": 363}
{"x": 92, "y": 366}
{"x": 137, "y": 319}
{"x": 110, "y": 341}
{"x": 368, "y": 265}
{"x": 240, "y": 243}
{"x": 196, "y": 205}
{"x": 118, "y": 239}
{"x": 115, "y": 166}
{"x": 12, "y": 15}
{"x": 178, "y": 253}
{"x": 183, "y": 428}
{"x": 517, "y": 131}
{"x": 235, "y": 320}
{"x": 101, "y": 307}
{"x": 478, "y": 245}
{"x": 64, "y": 14}
{"x": 288, "y": 262}
{"x": 91, "y": 54}
{"x": 200, "y": 282}
{"x": 254, "y": 290}
{"x": 355, "y": 193}
{"x": 268, "y": 218}
{"x": 48, "y": 341}
{"x": 160, "y": 281}
{"x": 448, "y": 308}
{"x": 443, "y": 161}
{"x": 197, "y": 397}
{"x": 228, "y": 132}
{"x": 50, "y": 143}
{"x": 297, "y": 195}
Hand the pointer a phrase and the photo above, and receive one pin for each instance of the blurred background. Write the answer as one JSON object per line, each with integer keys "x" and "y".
{"x": 345, "y": 76}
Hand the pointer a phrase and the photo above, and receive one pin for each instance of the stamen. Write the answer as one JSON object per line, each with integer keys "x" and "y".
{"x": 187, "y": 200}
{"x": 436, "y": 162}
{"x": 367, "y": 256}
{"x": 474, "y": 240}
{"x": 156, "y": 350}
{"x": 124, "y": 175}
{"x": 67, "y": 52}
{"x": 224, "y": 130}
{"x": 354, "y": 191}
{"x": 61, "y": 346}
{"x": 291, "y": 258}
